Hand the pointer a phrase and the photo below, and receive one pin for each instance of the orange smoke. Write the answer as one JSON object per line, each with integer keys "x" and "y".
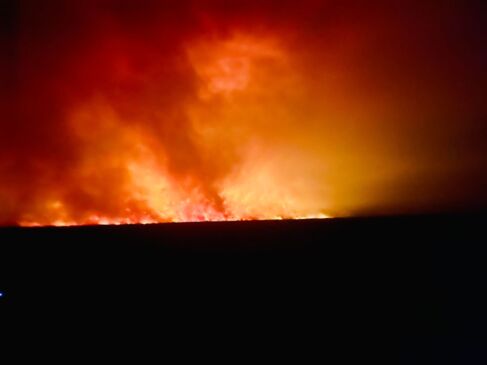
{"x": 232, "y": 169}
{"x": 119, "y": 112}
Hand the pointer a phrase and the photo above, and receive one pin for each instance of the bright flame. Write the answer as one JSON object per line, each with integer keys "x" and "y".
{"x": 238, "y": 175}
{"x": 116, "y": 112}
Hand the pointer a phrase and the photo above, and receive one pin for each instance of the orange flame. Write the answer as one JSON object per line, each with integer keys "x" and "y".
{"x": 116, "y": 112}
{"x": 235, "y": 174}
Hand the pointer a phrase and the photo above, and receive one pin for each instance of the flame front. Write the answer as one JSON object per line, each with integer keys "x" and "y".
{"x": 118, "y": 112}
{"x": 207, "y": 158}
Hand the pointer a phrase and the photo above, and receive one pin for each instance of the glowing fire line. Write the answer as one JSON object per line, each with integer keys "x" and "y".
{"x": 223, "y": 116}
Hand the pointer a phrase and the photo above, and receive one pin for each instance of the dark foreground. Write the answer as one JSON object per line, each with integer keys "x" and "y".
{"x": 412, "y": 287}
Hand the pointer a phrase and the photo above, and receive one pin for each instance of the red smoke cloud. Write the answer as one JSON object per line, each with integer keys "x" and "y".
{"x": 148, "y": 111}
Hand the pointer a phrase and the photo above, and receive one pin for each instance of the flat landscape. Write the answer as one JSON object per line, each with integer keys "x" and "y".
{"x": 417, "y": 280}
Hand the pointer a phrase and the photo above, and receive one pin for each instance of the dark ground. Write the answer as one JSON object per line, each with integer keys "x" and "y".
{"x": 408, "y": 287}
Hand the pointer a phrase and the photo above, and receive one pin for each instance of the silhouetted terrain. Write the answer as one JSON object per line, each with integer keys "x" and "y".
{"x": 412, "y": 284}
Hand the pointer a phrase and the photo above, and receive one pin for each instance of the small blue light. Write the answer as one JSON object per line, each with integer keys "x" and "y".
{"x": 1, "y": 294}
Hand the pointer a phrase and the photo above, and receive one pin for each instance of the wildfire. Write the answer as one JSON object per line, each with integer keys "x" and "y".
{"x": 142, "y": 167}
{"x": 121, "y": 112}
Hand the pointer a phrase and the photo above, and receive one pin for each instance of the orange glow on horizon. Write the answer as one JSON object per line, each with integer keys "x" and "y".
{"x": 144, "y": 112}
{"x": 232, "y": 75}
